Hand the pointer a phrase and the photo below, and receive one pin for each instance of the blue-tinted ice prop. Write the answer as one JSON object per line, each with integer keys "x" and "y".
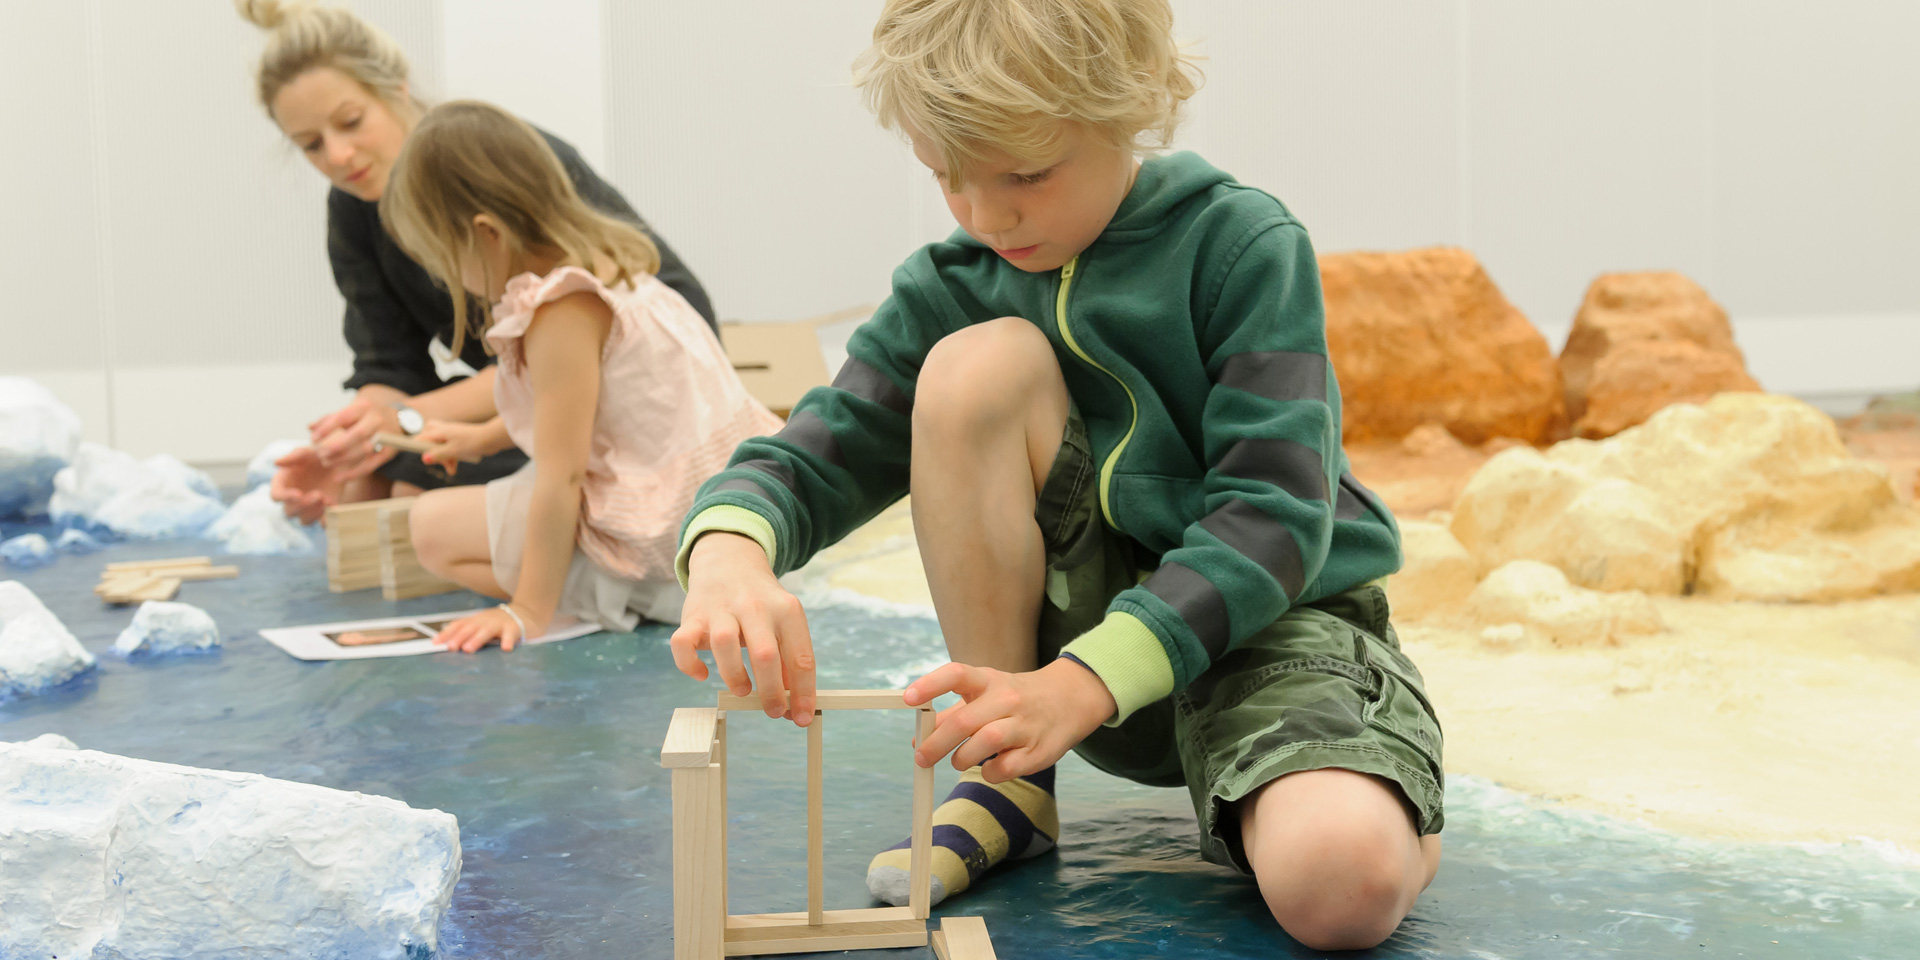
{"x": 27, "y": 551}
{"x": 36, "y": 649}
{"x": 163, "y": 627}
{"x": 256, "y": 524}
{"x": 38, "y": 436}
{"x": 261, "y": 469}
{"x": 152, "y": 498}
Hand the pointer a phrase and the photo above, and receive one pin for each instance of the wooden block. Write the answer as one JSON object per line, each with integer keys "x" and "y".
{"x": 690, "y": 738}
{"x": 160, "y": 588}
{"x": 962, "y": 938}
{"x": 770, "y": 933}
{"x": 830, "y": 700}
{"x": 189, "y": 574}
{"x": 400, "y": 441}
{"x": 720, "y": 758}
{"x": 353, "y": 558}
{"x": 699, "y": 909}
{"x": 816, "y": 823}
{"x": 920, "y": 860}
{"x": 151, "y": 564}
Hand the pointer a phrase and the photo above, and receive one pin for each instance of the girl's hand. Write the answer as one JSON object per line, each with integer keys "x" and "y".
{"x": 469, "y": 634}
{"x": 1011, "y": 724}
{"x": 455, "y": 442}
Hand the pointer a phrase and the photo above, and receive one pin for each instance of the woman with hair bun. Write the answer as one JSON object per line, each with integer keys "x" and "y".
{"x": 338, "y": 88}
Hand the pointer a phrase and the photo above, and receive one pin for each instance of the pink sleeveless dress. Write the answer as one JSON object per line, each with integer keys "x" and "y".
{"x": 671, "y": 411}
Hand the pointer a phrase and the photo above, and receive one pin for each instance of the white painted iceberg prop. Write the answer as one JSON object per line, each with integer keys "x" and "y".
{"x": 107, "y": 856}
{"x": 36, "y": 652}
{"x": 27, "y": 550}
{"x": 51, "y": 741}
{"x": 261, "y": 469}
{"x": 256, "y": 524}
{"x": 38, "y": 435}
{"x": 77, "y": 541}
{"x": 155, "y": 497}
{"x": 161, "y": 626}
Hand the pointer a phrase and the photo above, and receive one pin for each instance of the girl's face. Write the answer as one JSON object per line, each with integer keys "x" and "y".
{"x": 346, "y": 132}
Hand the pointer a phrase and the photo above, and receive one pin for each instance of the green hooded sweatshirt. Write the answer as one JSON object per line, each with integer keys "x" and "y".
{"x": 1192, "y": 337}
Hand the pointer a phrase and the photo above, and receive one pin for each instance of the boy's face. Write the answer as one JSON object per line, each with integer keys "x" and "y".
{"x": 1038, "y": 215}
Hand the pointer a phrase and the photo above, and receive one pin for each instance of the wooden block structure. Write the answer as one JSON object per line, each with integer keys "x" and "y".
{"x": 135, "y": 581}
{"x": 962, "y": 938}
{"x": 696, "y": 751}
{"x": 369, "y": 545}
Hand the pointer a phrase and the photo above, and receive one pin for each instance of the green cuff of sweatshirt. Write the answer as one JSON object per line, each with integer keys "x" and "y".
{"x": 1129, "y": 659}
{"x": 725, "y": 518}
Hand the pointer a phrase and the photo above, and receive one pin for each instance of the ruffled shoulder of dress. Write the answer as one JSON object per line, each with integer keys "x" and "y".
{"x": 525, "y": 293}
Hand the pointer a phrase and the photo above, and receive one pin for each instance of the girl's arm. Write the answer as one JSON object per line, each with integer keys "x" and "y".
{"x": 465, "y": 401}
{"x": 562, "y": 347}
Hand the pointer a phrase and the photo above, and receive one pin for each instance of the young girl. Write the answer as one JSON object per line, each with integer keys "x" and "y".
{"x": 609, "y": 379}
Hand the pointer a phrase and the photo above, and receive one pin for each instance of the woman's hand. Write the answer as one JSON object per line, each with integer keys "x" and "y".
{"x": 303, "y": 486}
{"x": 469, "y": 634}
{"x": 455, "y": 442}
{"x": 343, "y": 439}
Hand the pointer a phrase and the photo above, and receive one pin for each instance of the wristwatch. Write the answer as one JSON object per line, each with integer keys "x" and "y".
{"x": 411, "y": 420}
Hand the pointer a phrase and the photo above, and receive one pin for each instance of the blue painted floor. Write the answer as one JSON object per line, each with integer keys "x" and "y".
{"x": 549, "y": 757}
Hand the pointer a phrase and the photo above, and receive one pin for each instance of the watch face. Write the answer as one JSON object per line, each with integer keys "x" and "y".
{"x": 412, "y": 421}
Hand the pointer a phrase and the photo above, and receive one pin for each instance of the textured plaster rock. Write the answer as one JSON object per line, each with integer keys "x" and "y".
{"x": 1748, "y": 497}
{"x": 165, "y": 627}
{"x": 36, "y": 651}
{"x": 256, "y": 524}
{"x": 27, "y": 550}
{"x": 50, "y": 741}
{"x": 1424, "y": 336}
{"x": 1644, "y": 341}
{"x": 1437, "y": 572}
{"x": 77, "y": 541}
{"x": 155, "y": 497}
{"x": 106, "y": 856}
{"x": 261, "y": 469}
{"x": 1548, "y": 610}
{"x": 38, "y": 435}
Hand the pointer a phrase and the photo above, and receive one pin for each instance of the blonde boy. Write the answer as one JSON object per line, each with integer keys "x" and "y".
{"x": 1109, "y": 396}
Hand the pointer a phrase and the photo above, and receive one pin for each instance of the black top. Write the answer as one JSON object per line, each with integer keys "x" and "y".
{"x": 394, "y": 307}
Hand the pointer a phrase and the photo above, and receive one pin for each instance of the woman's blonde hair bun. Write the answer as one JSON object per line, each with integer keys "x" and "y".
{"x": 303, "y": 36}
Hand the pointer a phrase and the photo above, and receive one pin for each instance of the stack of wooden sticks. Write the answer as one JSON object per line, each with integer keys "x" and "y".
{"x": 134, "y": 581}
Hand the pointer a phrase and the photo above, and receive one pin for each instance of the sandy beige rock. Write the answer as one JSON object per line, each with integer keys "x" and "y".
{"x": 1749, "y": 496}
{"x": 1436, "y": 575}
{"x": 1549, "y": 610}
{"x": 1424, "y": 336}
{"x": 1644, "y": 341}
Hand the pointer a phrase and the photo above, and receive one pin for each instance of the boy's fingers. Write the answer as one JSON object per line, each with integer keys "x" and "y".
{"x": 991, "y": 738}
{"x": 796, "y": 647}
{"x": 951, "y": 729}
{"x": 958, "y": 678}
{"x": 685, "y": 644}
{"x": 724, "y": 640}
{"x": 1017, "y": 762}
{"x": 763, "y": 655}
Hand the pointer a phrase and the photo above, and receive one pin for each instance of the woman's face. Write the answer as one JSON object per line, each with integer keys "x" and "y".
{"x": 346, "y": 132}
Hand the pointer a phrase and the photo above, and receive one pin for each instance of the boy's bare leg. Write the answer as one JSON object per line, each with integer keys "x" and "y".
{"x": 449, "y": 529}
{"x": 1336, "y": 856}
{"x": 989, "y": 411}
{"x": 988, "y": 414}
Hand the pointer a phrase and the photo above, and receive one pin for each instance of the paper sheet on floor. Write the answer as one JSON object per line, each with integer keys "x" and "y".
{"x": 316, "y": 641}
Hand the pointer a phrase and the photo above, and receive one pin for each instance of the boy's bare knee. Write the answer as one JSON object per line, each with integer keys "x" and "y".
{"x": 982, "y": 373}
{"x": 1331, "y": 900}
{"x": 1335, "y": 857}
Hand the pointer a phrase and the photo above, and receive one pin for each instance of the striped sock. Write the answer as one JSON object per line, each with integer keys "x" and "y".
{"x": 979, "y": 825}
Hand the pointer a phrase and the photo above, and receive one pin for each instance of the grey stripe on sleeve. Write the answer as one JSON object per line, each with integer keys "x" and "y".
{"x": 1293, "y": 467}
{"x": 1278, "y": 375}
{"x": 1355, "y": 499}
{"x": 811, "y": 434}
{"x": 1197, "y": 601}
{"x": 865, "y": 382}
{"x": 774, "y": 469}
{"x": 1262, "y": 539}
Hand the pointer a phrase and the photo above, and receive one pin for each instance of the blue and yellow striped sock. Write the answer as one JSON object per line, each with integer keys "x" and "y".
{"x": 979, "y": 825}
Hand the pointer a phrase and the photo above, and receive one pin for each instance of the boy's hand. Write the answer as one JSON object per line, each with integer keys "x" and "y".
{"x": 1024, "y": 722}
{"x": 734, "y": 601}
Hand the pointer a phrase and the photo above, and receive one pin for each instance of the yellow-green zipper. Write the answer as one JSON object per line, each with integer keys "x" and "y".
{"x": 1066, "y": 334}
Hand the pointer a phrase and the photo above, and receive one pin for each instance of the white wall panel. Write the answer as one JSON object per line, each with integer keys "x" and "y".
{"x": 543, "y": 61}
{"x": 1817, "y": 156}
{"x": 734, "y": 129}
{"x": 1590, "y": 144}
{"x": 1344, "y": 109}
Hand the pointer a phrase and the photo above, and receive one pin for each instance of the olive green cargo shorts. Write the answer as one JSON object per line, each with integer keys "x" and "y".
{"x": 1325, "y": 686}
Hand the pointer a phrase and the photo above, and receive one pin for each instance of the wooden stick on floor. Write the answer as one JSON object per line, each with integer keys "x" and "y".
{"x": 816, "y": 827}
{"x": 920, "y": 877}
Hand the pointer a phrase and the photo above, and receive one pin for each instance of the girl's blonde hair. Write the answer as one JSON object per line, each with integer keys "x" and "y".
{"x": 996, "y": 75}
{"x": 466, "y": 158}
{"x": 303, "y": 36}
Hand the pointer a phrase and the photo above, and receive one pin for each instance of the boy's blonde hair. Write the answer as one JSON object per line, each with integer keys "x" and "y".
{"x": 466, "y": 158}
{"x": 976, "y": 76}
{"x": 304, "y": 36}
